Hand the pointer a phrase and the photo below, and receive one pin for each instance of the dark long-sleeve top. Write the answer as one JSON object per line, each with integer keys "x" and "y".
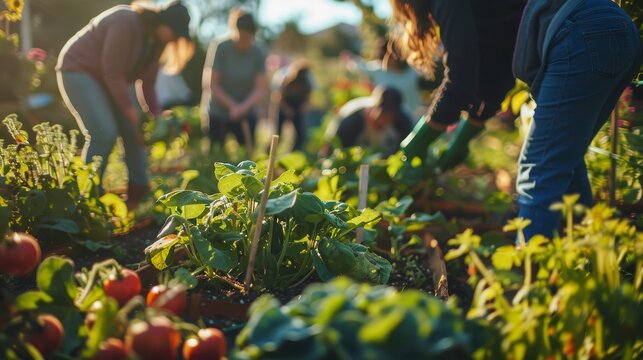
{"x": 115, "y": 50}
{"x": 459, "y": 21}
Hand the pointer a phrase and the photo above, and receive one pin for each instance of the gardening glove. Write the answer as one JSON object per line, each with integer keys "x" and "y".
{"x": 418, "y": 141}
{"x": 458, "y": 148}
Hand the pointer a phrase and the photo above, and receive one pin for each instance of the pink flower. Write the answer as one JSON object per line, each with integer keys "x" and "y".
{"x": 632, "y": 109}
{"x": 36, "y": 54}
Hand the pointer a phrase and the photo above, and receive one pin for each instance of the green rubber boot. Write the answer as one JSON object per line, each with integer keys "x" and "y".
{"x": 418, "y": 141}
{"x": 458, "y": 148}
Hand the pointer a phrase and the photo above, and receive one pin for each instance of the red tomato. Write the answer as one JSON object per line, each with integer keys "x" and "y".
{"x": 111, "y": 349}
{"x": 49, "y": 337}
{"x": 124, "y": 288}
{"x": 19, "y": 254}
{"x": 172, "y": 300}
{"x": 156, "y": 340}
{"x": 210, "y": 344}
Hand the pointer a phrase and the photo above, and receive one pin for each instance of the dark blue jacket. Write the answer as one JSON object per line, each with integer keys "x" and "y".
{"x": 541, "y": 21}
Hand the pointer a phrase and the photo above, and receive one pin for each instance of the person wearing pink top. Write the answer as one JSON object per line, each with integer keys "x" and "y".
{"x": 98, "y": 67}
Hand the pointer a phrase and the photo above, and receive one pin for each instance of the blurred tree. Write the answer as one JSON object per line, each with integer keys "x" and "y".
{"x": 290, "y": 40}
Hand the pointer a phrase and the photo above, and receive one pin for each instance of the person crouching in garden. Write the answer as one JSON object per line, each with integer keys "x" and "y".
{"x": 98, "y": 67}
{"x": 378, "y": 121}
{"x": 234, "y": 81}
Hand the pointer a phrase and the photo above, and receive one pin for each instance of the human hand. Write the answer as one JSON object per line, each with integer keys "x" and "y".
{"x": 236, "y": 112}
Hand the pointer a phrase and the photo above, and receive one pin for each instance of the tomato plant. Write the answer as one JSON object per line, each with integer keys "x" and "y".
{"x": 47, "y": 335}
{"x": 210, "y": 343}
{"x": 123, "y": 286}
{"x": 153, "y": 340}
{"x": 19, "y": 254}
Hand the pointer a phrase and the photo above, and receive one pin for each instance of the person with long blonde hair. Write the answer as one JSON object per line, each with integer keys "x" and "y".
{"x": 98, "y": 67}
{"x": 475, "y": 41}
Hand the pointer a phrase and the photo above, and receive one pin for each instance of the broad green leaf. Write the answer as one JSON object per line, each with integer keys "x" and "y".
{"x": 278, "y": 205}
{"x": 231, "y": 185}
{"x": 219, "y": 256}
{"x": 288, "y": 177}
{"x": 180, "y": 198}
{"x": 172, "y": 223}
{"x": 60, "y": 202}
{"x": 64, "y": 225}
{"x": 56, "y": 278}
{"x": 367, "y": 216}
{"x": 294, "y": 161}
{"x": 223, "y": 169}
{"x": 32, "y": 300}
{"x": 309, "y": 208}
{"x": 193, "y": 211}
{"x": 161, "y": 253}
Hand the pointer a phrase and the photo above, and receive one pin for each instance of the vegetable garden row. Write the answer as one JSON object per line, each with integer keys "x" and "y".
{"x": 327, "y": 278}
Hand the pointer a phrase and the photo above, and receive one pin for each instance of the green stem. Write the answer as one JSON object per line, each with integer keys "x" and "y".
{"x": 284, "y": 247}
{"x": 93, "y": 278}
{"x": 598, "y": 329}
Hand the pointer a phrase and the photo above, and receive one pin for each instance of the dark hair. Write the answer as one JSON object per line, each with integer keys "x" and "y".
{"x": 387, "y": 98}
{"x": 416, "y": 34}
{"x": 240, "y": 20}
{"x": 176, "y": 53}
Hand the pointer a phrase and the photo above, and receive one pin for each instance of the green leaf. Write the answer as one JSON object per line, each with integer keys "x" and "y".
{"x": 322, "y": 270}
{"x": 294, "y": 161}
{"x": 172, "y": 223}
{"x": 288, "y": 177}
{"x": 355, "y": 261}
{"x": 5, "y": 216}
{"x": 64, "y": 225}
{"x": 32, "y": 300}
{"x": 161, "y": 253}
{"x": 223, "y": 169}
{"x": 219, "y": 256}
{"x": 56, "y": 278}
{"x": 180, "y": 198}
{"x": 503, "y": 257}
{"x": 184, "y": 276}
{"x": 117, "y": 206}
{"x": 105, "y": 326}
{"x": 278, "y": 205}
{"x": 309, "y": 208}
{"x": 231, "y": 185}
{"x": 367, "y": 216}
{"x": 60, "y": 202}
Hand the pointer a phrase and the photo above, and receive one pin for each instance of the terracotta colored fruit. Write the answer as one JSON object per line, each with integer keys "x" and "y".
{"x": 123, "y": 288}
{"x": 111, "y": 349}
{"x": 19, "y": 254}
{"x": 156, "y": 340}
{"x": 48, "y": 337}
{"x": 172, "y": 300}
{"x": 210, "y": 344}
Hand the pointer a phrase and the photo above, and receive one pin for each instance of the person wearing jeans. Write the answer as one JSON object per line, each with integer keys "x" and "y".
{"x": 577, "y": 56}
{"x": 98, "y": 67}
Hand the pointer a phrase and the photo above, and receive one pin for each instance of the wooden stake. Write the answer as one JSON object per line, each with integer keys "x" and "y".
{"x": 262, "y": 211}
{"x": 248, "y": 137}
{"x": 363, "y": 195}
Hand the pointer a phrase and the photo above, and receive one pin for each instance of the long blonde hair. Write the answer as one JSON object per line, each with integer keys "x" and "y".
{"x": 416, "y": 35}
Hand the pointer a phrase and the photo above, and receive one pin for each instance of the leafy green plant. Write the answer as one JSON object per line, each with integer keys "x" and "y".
{"x": 347, "y": 320}
{"x": 45, "y": 186}
{"x": 301, "y": 233}
{"x": 579, "y": 295}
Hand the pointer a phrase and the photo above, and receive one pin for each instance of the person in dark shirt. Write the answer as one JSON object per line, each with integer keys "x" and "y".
{"x": 476, "y": 40}
{"x": 290, "y": 99}
{"x": 378, "y": 121}
{"x": 577, "y": 56}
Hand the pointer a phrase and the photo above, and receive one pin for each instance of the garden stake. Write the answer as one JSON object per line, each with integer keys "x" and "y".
{"x": 363, "y": 194}
{"x": 248, "y": 137}
{"x": 614, "y": 149}
{"x": 262, "y": 211}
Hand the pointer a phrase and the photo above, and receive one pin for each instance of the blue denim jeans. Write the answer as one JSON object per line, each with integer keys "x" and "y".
{"x": 101, "y": 123}
{"x": 595, "y": 54}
